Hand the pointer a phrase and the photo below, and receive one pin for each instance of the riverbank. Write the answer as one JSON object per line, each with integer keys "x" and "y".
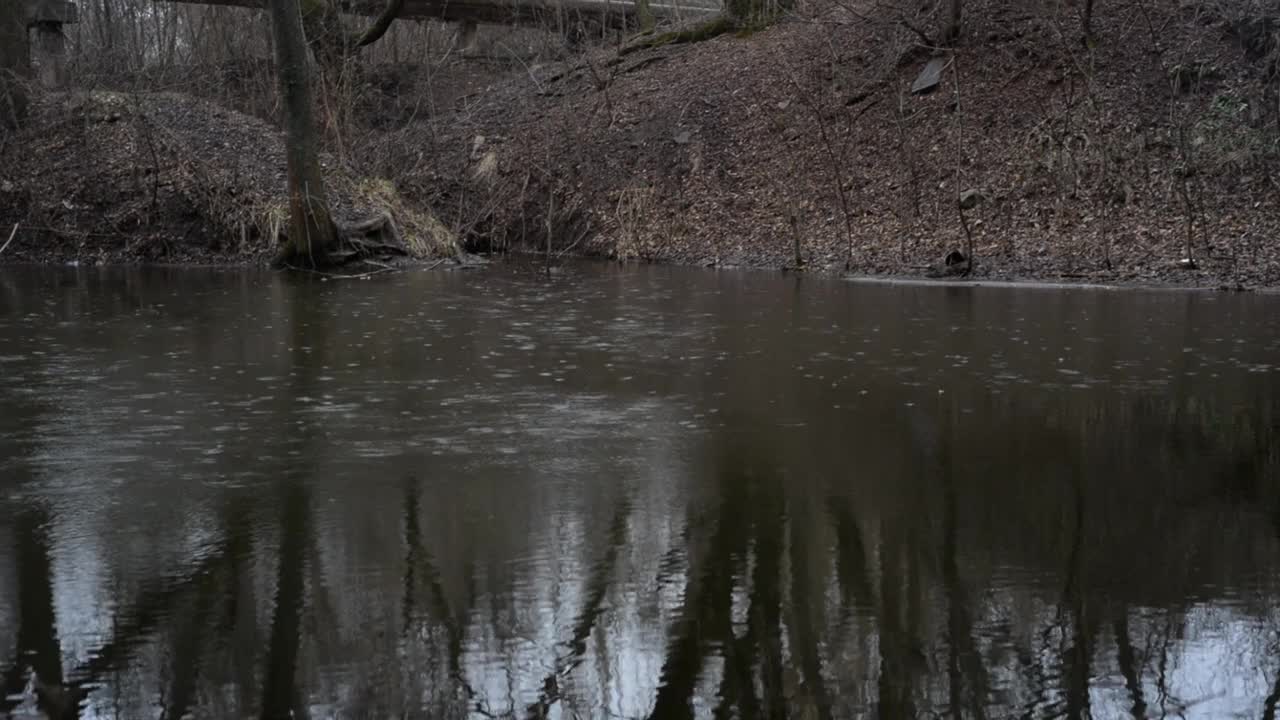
{"x": 1146, "y": 156}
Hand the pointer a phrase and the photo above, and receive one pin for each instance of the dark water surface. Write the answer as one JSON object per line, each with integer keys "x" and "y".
{"x": 632, "y": 493}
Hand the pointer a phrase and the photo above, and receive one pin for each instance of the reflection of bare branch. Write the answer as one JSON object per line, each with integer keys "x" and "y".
{"x": 964, "y": 661}
{"x": 895, "y": 685}
{"x": 597, "y": 586}
{"x": 280, "y": 697}
{"x": 419, "y": 566}
{"x": 1078, "y": 662}
{"x": 134, "y": 625}
{"x": 598, "y": 582}
{"x": 674, "y": 559}
{"x": 737, "y": 688}
{"x": 852, "y": 572}
{"x": 1078, "y": 658}
{"x": 1163, "y": 696}
{"x": 761, "y": 644}
{"x": 37, "y": 631}
{"x": 765, "y": 616}
{"x": 706, "y": 610}
{"x": 1269, "y": 705}
{"x": 186, "y": 651}
{"x": 1125, "y": 657}
{"x": 805, "y": 635}
{"x": 762, "y": 640}
{"x": 413, "y": 546}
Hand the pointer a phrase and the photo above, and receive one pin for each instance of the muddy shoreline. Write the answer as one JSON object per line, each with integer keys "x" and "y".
{"x": 533, "y": 263}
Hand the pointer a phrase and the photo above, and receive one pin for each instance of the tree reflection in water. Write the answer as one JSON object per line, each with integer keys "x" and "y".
{"x": 612, "y": 552}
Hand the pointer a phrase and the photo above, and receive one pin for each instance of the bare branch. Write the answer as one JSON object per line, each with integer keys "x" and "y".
{"x": 380, "y": 26}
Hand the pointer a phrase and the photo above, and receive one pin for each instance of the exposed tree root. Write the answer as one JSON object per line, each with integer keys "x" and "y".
{"x": 377, "y": 236}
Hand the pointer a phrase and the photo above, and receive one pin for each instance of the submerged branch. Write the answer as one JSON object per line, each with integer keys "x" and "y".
{"x": 592, "y": 609}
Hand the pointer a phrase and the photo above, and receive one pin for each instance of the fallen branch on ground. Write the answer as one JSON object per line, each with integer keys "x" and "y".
{"x": 12, "y": 235}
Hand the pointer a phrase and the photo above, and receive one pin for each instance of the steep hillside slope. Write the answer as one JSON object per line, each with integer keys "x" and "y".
{"x": 1146, "y": 155}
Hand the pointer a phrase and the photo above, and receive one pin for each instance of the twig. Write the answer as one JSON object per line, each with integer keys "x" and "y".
{"x": 959, "y": 132}
{"x": 569, "y": 248}
{"x": 340, "y": 276}
{"x": 529, "y": 71}
{"x": 837, "y": 161}
{"x": 12, "y": 235}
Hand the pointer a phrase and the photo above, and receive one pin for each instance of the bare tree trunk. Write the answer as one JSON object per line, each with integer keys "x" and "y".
{"x": 1086, "y": 22}
{"x": 312, "y": 233}
{"x": 15, "y": 62}
{"x": 329, "y": 39}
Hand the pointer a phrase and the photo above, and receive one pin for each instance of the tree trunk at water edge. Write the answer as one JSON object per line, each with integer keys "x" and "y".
{"x": 312, "y": 233}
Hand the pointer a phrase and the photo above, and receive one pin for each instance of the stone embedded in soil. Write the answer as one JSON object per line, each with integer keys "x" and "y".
{"x": 931, "y": 76}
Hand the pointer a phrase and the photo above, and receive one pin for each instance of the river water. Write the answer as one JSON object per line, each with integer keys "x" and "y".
{"x": 633, "y": 492}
